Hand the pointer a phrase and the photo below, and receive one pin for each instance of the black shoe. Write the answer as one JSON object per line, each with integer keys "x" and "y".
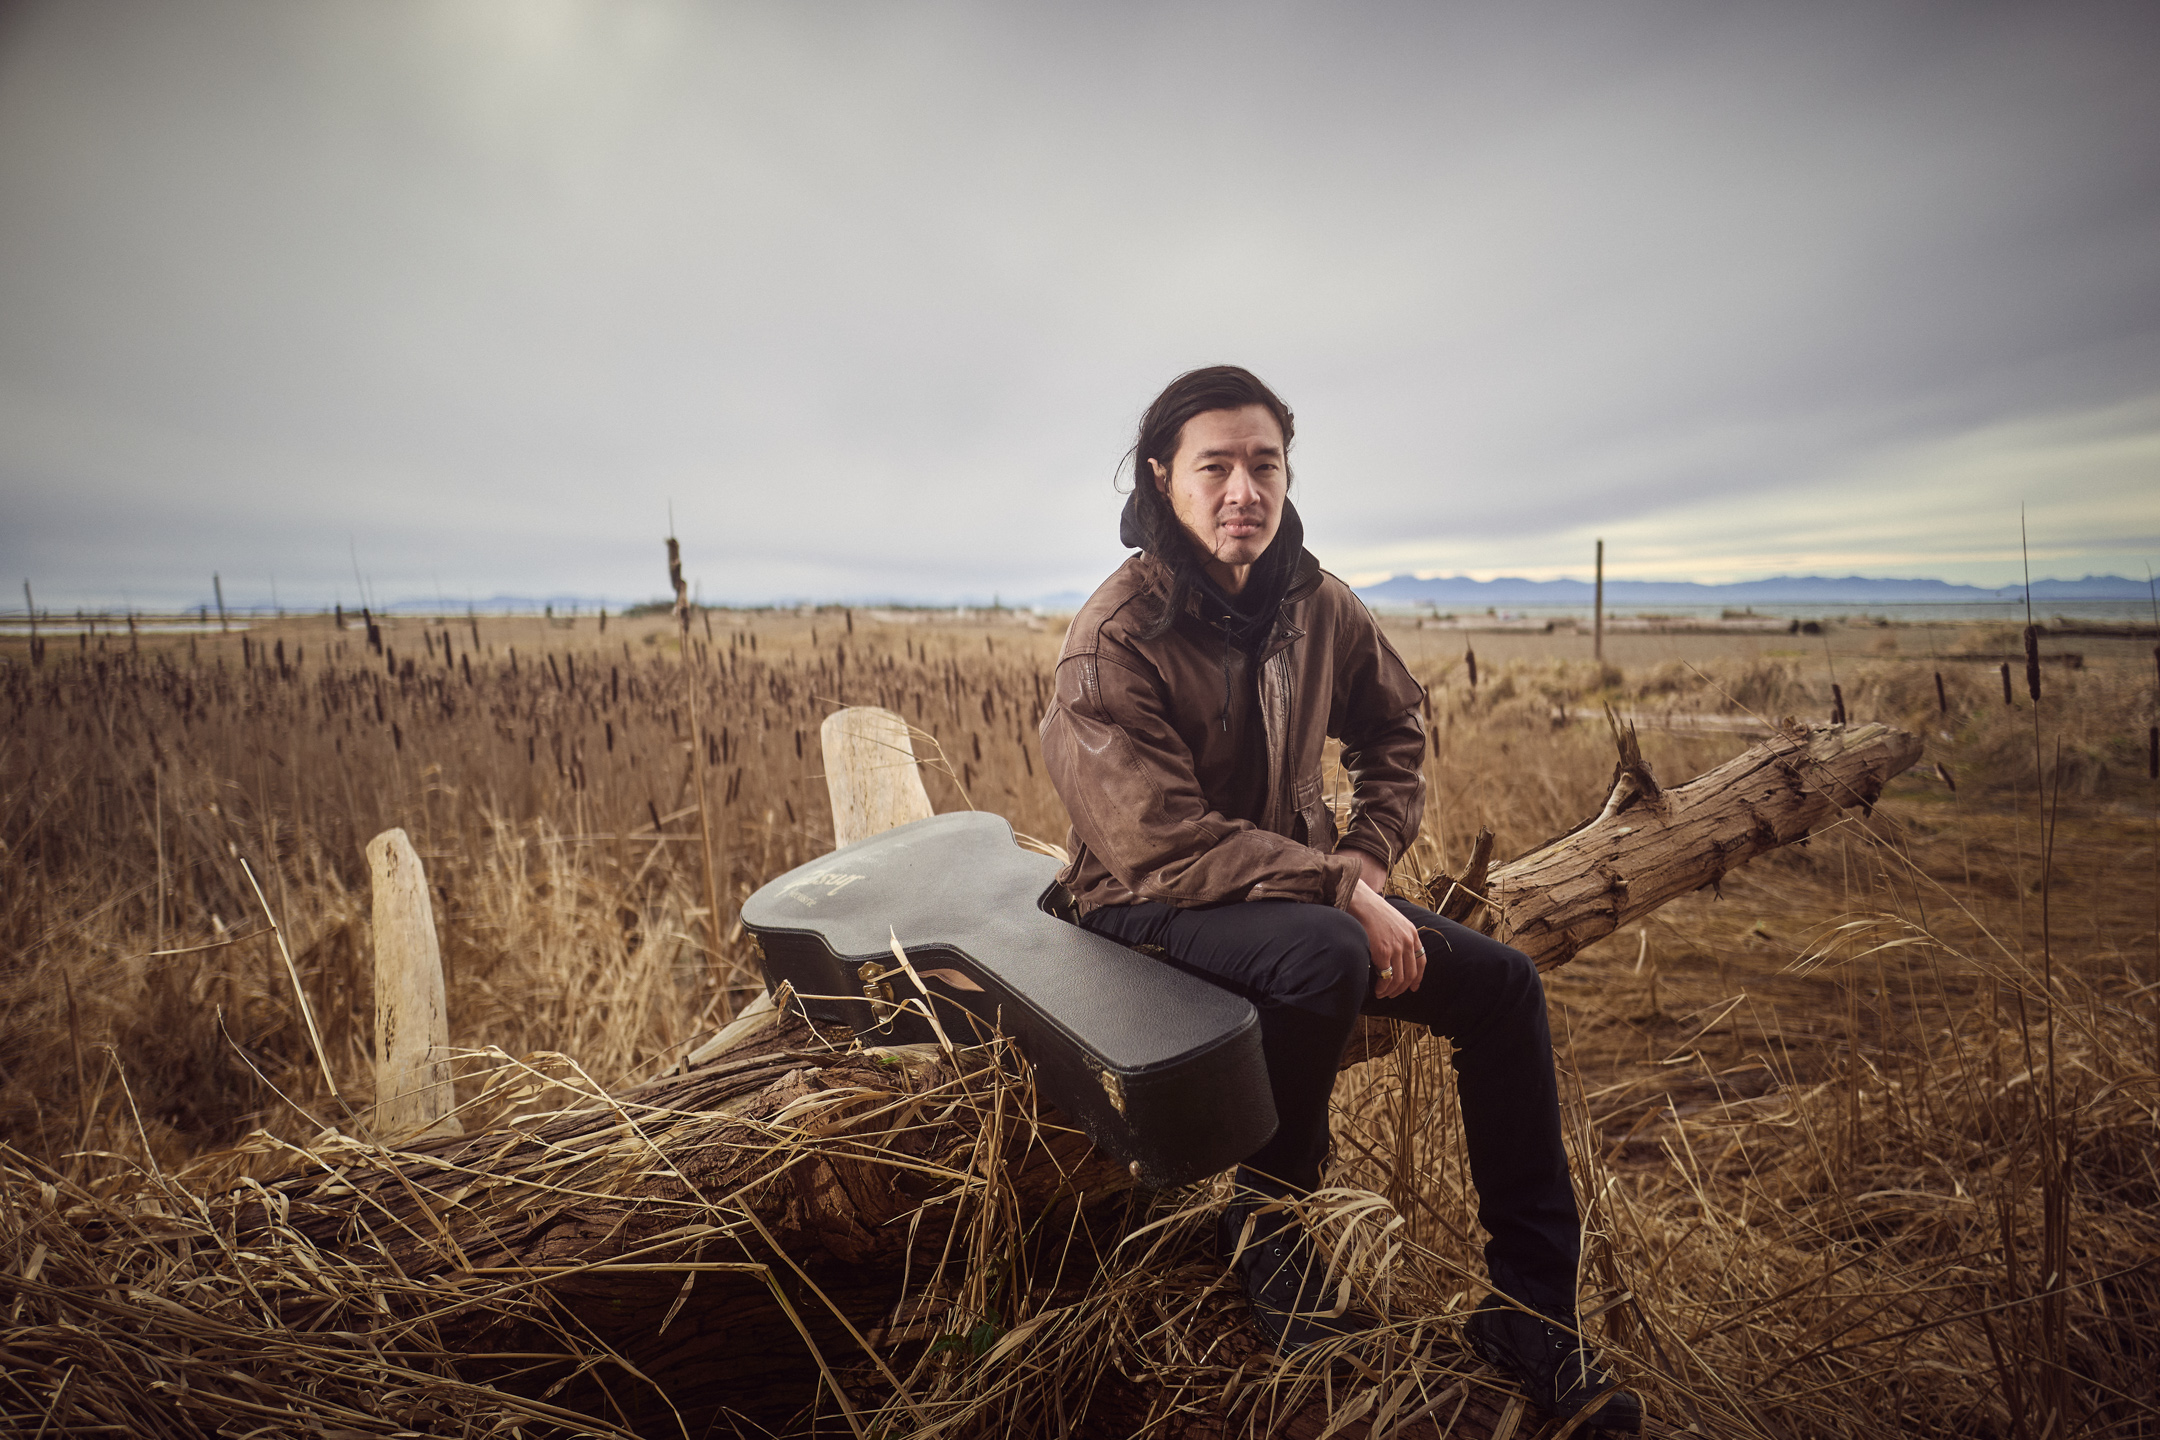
{"x": 1554, "y": 1368}
{"x": 1286, "y": 1281}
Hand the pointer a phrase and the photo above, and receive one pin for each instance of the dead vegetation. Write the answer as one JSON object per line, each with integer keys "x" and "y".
{"x": 1866, "y": 1143}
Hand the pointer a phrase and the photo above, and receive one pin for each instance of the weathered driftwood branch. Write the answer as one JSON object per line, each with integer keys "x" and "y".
{"x": 1651, "y": 845}
{"x": 729, "y": 1240}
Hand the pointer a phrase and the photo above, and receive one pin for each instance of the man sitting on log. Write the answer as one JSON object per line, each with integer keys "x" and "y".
{"x": 1195, "y": 692}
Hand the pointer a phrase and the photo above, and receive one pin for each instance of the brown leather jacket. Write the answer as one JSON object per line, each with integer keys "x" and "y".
{"x": 1136, "y": 745}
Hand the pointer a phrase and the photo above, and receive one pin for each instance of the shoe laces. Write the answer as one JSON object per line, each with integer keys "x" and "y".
{"x": 1582, "y": 1376}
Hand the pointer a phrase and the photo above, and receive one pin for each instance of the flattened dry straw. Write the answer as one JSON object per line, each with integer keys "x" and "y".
{"x": 138, "y": 1312}
{"x": 357, "y": 1292}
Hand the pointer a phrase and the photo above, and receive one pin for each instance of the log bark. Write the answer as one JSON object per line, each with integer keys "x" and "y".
{"x": 734, "y": 1241}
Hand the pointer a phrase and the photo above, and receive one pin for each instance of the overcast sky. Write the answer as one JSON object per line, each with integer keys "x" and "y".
{"x": 470, "y": 290}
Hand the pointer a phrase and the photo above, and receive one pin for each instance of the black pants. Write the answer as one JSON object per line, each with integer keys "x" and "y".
{"x": 1309, "y": 972}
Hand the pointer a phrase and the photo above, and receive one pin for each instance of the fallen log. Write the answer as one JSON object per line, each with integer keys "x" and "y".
{"x": 788, "y": 1226}
{"x": 708, "y": 1246}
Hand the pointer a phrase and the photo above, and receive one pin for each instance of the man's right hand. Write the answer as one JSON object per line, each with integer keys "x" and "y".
{"x": 1398, "y": 956}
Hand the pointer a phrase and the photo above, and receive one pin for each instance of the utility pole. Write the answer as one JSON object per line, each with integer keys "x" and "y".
{"x": 217, "y": 583}
{"x": 1597, "y": 642}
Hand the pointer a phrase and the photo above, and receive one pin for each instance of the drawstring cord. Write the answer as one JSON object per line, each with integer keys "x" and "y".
{"x": 1224, "y": 625}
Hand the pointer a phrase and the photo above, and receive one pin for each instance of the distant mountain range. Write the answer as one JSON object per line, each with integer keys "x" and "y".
{"x": 512, "y": 604}
{"x": 1461, "y": 592}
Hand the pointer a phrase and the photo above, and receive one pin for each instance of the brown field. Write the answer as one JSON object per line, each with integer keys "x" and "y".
{"x": 1866, "y": 1142}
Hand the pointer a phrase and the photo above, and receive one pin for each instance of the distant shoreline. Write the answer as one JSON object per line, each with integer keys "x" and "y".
{"x": 2095, "y": 597}
{"x": 2058, "y": 616}
{"x": 2115, "y": 612}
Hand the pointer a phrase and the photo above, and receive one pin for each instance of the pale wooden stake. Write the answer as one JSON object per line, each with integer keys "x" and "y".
{"x": 413, "y": 1093}
{"x": 870, "y": 773}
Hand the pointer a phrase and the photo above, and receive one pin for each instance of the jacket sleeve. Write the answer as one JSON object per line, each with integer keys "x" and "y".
{"x": 1375, "y": 715}
{"x": 1128, "y": 784}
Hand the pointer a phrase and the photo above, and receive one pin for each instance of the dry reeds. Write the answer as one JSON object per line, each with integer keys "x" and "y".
{"x": 1834, "y": 1180}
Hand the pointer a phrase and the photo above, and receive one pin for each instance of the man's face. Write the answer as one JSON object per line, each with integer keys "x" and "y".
{"x": 1226, "y": 485}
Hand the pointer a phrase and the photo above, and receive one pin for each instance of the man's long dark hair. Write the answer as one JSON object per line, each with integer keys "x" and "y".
{"x": 1149, "y": 522}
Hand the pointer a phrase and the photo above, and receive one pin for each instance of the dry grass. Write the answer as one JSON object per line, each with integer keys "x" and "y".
{"x": 1867, "y": 1143}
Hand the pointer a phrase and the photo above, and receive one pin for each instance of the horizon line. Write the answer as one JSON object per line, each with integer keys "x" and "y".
{"x": 503, "y": 602}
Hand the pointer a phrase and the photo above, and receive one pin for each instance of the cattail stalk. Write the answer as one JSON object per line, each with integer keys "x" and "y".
{"x": 697, "y": 751}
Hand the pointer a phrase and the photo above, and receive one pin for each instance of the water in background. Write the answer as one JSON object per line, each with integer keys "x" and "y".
{"x": 1954, "y": 612}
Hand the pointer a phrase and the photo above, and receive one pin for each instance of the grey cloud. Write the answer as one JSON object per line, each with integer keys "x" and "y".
{"x": 874, "y": 293}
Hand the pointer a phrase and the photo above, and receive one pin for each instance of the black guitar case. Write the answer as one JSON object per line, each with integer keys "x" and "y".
{"x": 1160, "y": 1069}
